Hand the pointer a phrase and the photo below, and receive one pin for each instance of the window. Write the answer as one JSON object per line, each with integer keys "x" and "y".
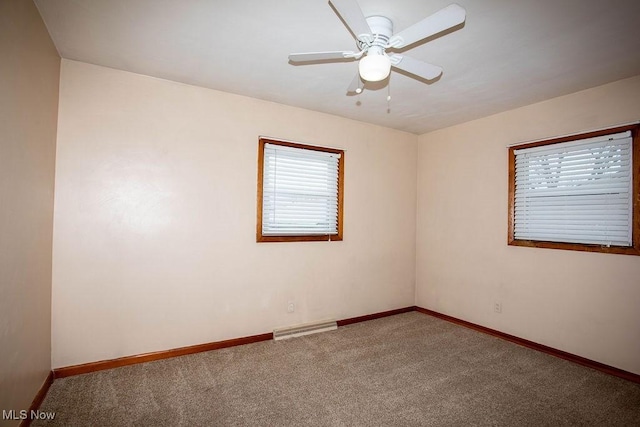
{"x": 580, "y": 192}
{"x": 300, "y": 192}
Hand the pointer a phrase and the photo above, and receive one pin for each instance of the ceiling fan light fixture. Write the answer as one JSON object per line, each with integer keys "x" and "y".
{"x": 374, "y": 68}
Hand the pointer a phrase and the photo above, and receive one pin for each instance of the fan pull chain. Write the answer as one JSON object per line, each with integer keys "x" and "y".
{"x": 389, "y": 97}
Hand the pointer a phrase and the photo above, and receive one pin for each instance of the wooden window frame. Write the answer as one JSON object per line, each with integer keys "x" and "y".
{"x": 260, "y": 238}
{"x": 634, "y": 249}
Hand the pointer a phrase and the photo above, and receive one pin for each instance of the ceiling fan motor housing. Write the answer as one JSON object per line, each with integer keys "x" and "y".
{"x": 382, "y": 30}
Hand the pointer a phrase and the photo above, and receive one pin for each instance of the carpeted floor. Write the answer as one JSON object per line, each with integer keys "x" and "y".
{"x": 410, "y": 369}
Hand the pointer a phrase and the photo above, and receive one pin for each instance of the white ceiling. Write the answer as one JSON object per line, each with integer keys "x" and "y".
{"x": 509, "y": 53}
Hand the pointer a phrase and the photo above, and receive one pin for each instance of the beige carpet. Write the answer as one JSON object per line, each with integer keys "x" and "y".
{"x": 410, "y": 369}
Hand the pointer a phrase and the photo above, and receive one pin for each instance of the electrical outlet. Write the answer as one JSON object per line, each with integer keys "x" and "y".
{"x": 497, "y": 307}
{"x": 291, "y": 307}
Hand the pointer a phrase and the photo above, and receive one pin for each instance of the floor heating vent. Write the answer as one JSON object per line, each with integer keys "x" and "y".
{"x": 304, "y": 329}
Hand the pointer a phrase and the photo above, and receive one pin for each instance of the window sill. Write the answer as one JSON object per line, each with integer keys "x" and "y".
{"x": 631, "y": 250}
{"x": 321, "y": 238}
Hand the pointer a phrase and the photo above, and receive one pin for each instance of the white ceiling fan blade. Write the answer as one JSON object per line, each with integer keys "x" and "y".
{"x": 415, "y": 67}
{"x": 356, "y": 84}
{"x": 444, "y": 19}
{"x": 320, "y": 56}
{"x": 352, "y": 15}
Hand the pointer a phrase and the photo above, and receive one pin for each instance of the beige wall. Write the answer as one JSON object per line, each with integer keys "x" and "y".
{"x": 29, "y": 76}
{"x": 155, "y": 215}
{"x": 154, "y": 237}
{"x": 584, "y": 303}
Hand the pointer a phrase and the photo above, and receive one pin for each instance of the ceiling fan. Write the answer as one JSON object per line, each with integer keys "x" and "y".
{"x": 374, "y": 35}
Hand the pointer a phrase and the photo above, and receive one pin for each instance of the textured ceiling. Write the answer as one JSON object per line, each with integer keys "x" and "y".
{"x": 509, "y": 53}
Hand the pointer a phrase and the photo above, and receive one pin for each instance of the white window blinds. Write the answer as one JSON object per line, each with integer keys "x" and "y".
{"x": 575, "y": 192}
{"x": 300, "y": 191}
